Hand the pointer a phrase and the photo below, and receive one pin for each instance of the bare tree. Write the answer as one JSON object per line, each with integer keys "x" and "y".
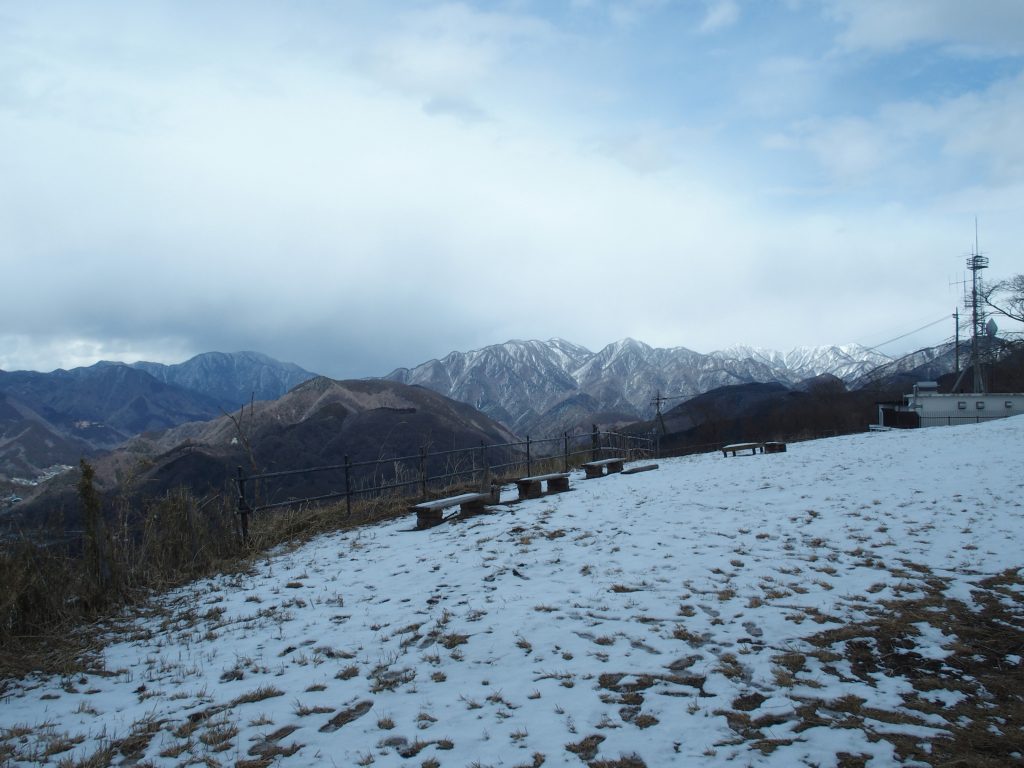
{"x": 1006, "y": 297}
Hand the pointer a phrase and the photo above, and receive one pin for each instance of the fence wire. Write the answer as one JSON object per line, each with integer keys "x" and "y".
{"x": 427, "y": 472}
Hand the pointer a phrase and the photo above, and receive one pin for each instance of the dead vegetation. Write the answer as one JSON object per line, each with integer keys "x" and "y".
{"x": 976, "y": 689}
{"x": 59, "y": 590}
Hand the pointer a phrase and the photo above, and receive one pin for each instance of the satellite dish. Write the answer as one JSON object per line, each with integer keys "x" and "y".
{"x": 991, "y": 328}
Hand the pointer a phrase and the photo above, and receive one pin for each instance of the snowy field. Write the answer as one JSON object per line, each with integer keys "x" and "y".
{"x": 781, "y": 610}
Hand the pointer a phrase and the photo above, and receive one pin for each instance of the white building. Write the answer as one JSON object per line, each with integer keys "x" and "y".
{"x": 927, "y": 407}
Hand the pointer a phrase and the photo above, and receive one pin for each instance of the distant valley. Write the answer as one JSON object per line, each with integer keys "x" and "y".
{"x": 58, "y": 417}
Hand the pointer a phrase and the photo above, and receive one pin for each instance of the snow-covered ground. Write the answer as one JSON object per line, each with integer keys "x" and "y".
{"x": 699, "y": 614}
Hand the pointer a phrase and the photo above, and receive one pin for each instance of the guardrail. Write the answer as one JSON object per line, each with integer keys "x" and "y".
{"x": 953, "y": 418}
{"x": 417, "y": 475}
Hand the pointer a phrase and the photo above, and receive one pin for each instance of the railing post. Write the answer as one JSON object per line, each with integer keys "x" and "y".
{"x": 485, "y": 469}
{"x": 423, "y": 471}
{"x": 595, "y": 442}
{"x": 529, "y": 465}
{"x": 243, "y": 508}
{"x": 565, "y": 452}
{"x": 348, "y": 486}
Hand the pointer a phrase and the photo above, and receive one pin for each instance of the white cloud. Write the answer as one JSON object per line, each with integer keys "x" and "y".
{"x": 849, "y": 149}
{"x": 628, "y": 13}
{"x": 781, "y": 86}
{"x": 967, "y": 137}
{"x": 47, "y": 352}
{"x": 720, "y": 15}
{"x": 452, "y": 48}
{"x": 988, "y": 26}
{"x": 355, "y": 198}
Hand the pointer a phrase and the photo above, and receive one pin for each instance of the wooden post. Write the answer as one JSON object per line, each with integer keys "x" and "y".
{"x": 529, "y": 465}
{"x": 423, "y": 472}
{"x": 243, "y": 508}
{"x": 565, "y": 453}
{"x": 595, "y": 442}
{"x": 348, "y": 486}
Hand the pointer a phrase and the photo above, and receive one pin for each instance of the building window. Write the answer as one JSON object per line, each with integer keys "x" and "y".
{"x": 980, "y": 405}
{"x": 962, "y": 405}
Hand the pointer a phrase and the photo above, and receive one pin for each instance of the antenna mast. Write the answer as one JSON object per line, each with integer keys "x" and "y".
{"x": 976, "y": 262}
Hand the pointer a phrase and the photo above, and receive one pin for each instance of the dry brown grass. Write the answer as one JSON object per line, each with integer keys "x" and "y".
{"x": 624, "y": 761}
{"x": 56, "y": 597}
{"x": 453, "y": 640}
{"x": 983, "y": 729}
{"x": 586, "y": 749}
{"x": 259, "y": 694}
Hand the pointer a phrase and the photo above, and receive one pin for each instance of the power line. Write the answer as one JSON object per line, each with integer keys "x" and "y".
{"x": 875, "y": 347}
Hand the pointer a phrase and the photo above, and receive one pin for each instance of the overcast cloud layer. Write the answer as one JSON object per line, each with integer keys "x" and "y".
{"x": 362, "y": 185}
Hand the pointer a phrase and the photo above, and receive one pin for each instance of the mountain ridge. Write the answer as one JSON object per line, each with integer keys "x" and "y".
{"x": 234, "y": 379}
{"x": 519, "y": 382}
{"x": 63, "y": 415}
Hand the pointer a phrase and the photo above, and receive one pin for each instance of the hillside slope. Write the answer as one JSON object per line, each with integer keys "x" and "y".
{"x": 62, "y": 416}
{"x": 854, "y": 601}
{"x": 29, "y": 443}
{"x": 319, "y": 422}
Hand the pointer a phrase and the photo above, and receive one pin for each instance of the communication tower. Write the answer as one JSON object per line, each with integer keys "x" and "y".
{"x": 976, "y": 262}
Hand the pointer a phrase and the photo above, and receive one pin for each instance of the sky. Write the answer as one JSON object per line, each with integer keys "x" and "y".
{"x": 360, "y": 185}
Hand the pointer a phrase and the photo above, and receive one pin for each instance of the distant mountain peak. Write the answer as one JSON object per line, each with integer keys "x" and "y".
{"x": 519, "y": 382}
{"x": 231, "y": 378}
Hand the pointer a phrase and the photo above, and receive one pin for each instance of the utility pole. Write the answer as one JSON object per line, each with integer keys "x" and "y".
{"x": 656, "y": 402}
{"x": 956, "y": 324}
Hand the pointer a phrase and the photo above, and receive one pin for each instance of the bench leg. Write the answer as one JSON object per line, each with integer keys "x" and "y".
{"x": 616, "y": 467}
{"x": 530, "y": 490}
{"x": 471, "y": 508}
{"x": 428, "y": 518}
{"x": 558, "y": 484}
{"x": 593, "y": 472}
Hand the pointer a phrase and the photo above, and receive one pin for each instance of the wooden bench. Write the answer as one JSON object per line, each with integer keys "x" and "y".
{"x": 597, "y": 468}
{"x": 530, "y": 487}
{"x": 641, "y": 468}
{"x": 774, "y": 447}
{"x": 431, "y": 513}
{"x": 752, "y": 447}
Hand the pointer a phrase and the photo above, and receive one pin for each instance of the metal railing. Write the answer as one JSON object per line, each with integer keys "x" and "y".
{"x": 419, "y": 474}
{"x": 952, "y": 418}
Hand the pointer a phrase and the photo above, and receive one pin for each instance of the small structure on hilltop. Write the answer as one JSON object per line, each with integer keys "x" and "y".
{"x": 927, "y": 407}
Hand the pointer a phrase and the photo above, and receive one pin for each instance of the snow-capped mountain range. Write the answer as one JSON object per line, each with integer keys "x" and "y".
{"x": 518, "y": 382}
